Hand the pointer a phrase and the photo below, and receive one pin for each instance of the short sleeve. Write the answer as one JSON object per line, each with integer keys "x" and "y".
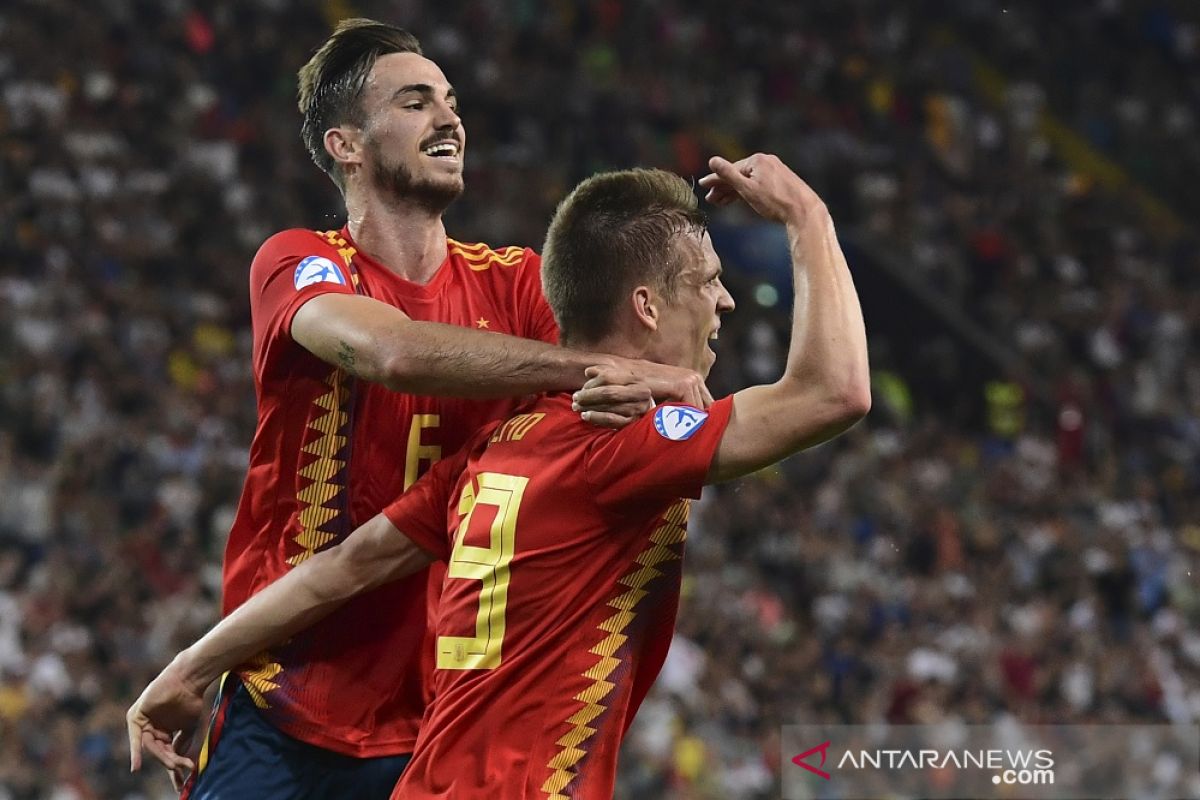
{"x": 421, "y": 512}
{"x": 664, "y": 455}
{"x": 540, "y": 323}
{"x": 291, "y": 268}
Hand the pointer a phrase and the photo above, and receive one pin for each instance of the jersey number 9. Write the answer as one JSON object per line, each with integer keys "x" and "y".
{"x": 488, "y": 565}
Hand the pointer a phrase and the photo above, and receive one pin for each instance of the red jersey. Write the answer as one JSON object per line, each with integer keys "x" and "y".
{"x": 559, "y": 602}
{"x": 329, "y": 453}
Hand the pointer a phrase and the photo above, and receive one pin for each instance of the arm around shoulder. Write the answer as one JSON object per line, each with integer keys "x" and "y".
{"x": 359, "y": 334}
{"x": 380, "y": 343}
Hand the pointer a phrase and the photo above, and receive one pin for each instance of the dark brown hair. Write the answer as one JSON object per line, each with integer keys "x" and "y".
{"x": 330, "y": 84}
{"x": 615, "y": 231}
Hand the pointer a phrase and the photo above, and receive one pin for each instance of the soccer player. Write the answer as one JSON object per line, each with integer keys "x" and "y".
{"x": 565, "y": 541}
{"x": 353, "y": 330}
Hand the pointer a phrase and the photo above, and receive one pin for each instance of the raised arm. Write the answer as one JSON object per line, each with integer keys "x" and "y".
{"x": 372, "y": 555}
{"x": 379, "y": 343}
{"x": 826, "y": 385}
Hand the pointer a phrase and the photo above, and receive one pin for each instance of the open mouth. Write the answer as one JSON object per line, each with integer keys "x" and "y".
{"x": 442, "y": 149}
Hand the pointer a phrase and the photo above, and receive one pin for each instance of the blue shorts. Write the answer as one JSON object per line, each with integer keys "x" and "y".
{"x": 247, "y": 757}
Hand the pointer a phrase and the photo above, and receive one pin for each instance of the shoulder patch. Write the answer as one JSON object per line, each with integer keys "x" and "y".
{"x": 678, "y": 422}
{"x": 317, "y": 269}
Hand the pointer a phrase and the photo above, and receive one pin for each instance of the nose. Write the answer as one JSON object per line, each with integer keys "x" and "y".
{"x": 725, "y": 302}
{"x": 447, "y": 117}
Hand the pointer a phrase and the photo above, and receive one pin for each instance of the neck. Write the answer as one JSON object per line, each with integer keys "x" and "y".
{"x": 617, "y": 344}
{"x": 406, "y": 238}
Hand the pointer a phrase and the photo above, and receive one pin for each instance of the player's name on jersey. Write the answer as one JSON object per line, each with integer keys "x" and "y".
{"x": 515, "y": 429}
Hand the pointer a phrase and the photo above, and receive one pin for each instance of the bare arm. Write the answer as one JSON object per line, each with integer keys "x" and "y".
{"x": 379, "y": 343}
{"x": 825, "y": 386}
{"x": 375, "y": 553}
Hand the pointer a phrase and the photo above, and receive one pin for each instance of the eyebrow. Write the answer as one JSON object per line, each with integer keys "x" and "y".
{"x": 422, "y": 88}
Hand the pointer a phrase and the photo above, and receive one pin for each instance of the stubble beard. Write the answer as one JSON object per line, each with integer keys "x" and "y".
{"x": 398, "y": 182}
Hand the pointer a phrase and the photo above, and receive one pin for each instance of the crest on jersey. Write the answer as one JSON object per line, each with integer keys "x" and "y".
{"x": 317, "y": 269}
{"x": 678, "y": 422}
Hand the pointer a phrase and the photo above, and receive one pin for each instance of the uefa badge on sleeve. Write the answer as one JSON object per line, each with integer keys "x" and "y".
{"x": 317, "y": 269}
{"x": 678, "y": 422}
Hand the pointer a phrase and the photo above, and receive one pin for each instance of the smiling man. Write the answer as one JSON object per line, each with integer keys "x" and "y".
{"x": 363, "y": 338}
{"x": 563, "y": 542}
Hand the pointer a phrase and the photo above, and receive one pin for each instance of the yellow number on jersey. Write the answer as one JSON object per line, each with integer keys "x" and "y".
{"x": 489, "y": 566}
{"x": 418, "y": 452}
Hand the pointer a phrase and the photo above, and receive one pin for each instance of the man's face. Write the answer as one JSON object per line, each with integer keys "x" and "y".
{"x": 414, "y": 140}
{"x": 691, "y": 319}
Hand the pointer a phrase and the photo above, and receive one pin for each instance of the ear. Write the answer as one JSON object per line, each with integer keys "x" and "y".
{"x": 345, "y": 145}
{"x": 646, "y": 307}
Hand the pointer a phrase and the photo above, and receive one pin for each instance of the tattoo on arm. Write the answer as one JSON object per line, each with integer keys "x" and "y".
{"x": 346, "y": 356}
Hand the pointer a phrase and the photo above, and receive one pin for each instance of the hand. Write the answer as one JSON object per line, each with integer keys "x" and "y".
{"x": 612, "y": 405}
{"x": 765, "y": 183}
{"x": 162, "y": 722}
{"x": 617, "y": 394}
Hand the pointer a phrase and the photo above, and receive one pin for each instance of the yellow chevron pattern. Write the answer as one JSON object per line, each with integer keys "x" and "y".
{"x": 257, "y": 678}
{"x": 259, "y": 673}
{"x": 313, "y": 513}
{"x": 672, "y": 531}
{"x": 480, "y": 257}
{"x": 313, "y": 497}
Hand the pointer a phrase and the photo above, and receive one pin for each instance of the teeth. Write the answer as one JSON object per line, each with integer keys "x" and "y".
{"x": 440, "y": 150}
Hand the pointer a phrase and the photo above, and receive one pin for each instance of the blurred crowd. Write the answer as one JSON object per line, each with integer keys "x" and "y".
{"x": 1040, "y": 563}
{"x": 1125, "y": 75}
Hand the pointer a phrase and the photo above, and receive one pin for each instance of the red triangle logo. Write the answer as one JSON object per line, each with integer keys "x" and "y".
{"x": 800, "y": 762}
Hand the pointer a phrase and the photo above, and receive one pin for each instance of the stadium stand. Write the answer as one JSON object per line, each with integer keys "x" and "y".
{"x": 1013, "y": 532}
